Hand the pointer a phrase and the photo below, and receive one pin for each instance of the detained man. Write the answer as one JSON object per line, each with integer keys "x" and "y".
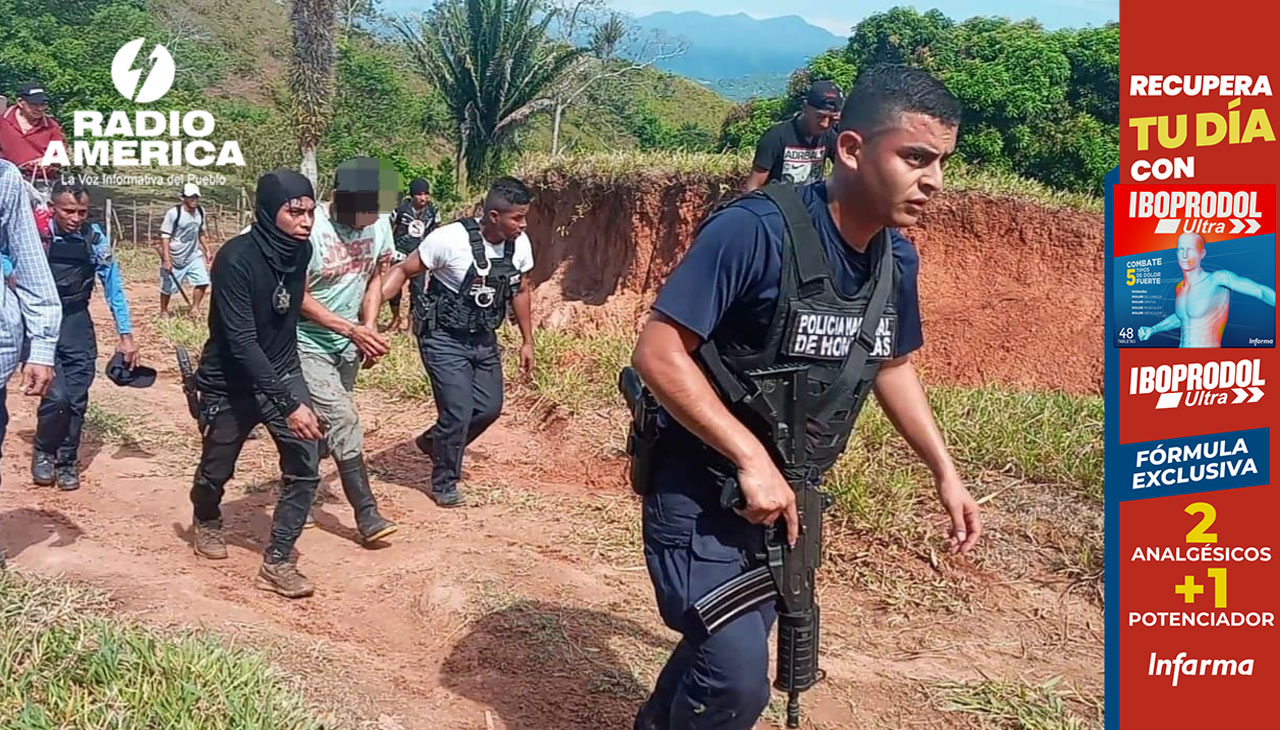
{"x": 249, "y": 373}
{"x": 338, "y": 332}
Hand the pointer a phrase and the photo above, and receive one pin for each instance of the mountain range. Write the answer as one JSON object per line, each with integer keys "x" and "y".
{"x": 735, "y": 55}
{"x": 739, "y": 55}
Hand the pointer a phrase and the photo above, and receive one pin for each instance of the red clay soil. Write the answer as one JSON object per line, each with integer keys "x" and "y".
{"x": 529, "y": 608}
{"x": 1011, "y": 292}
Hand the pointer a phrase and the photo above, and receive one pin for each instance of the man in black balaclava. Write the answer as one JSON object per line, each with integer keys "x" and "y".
{"x": 249, "y": 374}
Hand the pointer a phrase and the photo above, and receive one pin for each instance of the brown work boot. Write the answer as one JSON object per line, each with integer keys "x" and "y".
{"x": 209, "y": 542}
{"x": 283, "y": 578}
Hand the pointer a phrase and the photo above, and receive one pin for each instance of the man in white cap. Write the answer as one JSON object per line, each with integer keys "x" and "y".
{"x": 184, "y": 251}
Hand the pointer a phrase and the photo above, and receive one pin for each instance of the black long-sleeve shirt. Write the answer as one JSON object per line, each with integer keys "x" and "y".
{"x": 250, "y": 346}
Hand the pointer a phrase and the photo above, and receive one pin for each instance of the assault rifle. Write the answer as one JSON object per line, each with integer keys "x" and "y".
{"x": 780, "y": 397}
{"x": 189, "y": 382}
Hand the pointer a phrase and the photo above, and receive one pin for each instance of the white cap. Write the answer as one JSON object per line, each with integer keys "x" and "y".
{"x": 190, "y": 189}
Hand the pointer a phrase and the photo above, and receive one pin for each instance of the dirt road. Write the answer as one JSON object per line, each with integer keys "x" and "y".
{"x": 530, "y": 608}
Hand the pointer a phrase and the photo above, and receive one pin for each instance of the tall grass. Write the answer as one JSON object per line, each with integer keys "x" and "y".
{"x": 138, "y": 264}
{"x": 68, "y": 666}
{"x": 1039, "y": 436}
{"x": 575, "y": 372}
{"x": 615, "y": 169}
{"x": 629, "y": 166}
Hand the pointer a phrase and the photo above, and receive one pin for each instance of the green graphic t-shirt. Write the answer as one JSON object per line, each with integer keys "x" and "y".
{"x": 342, "y": 262}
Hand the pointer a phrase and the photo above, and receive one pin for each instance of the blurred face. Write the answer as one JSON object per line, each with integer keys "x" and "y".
{"x": 192, "y": 202}
{"x": 32, "y": 111}
{"x": 1190, "y": 251}
{"x": 356, "y": 210}
{"x": 897, "y": 168}
{"x": 817, "y": 121}
{"x": 509, "y": 223}
{"x": 296, "y": 217}
{"x": 420, "y": 200}
{"x": 70, "y": 211}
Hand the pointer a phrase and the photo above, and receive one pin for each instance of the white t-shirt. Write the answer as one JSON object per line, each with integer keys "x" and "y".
{"x": 446, "y": 252}
{"x": 182, "y": 227}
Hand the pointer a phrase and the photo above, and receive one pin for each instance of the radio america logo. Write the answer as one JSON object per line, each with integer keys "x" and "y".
{"x": 147, "y": 137}
{"x": 125, "y": 76}
{"x": 1226, "y": 382}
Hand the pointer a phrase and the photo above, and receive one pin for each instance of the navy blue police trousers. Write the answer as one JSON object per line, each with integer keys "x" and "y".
{"x": 60, "y": 417}
{"x": 466, "y": 381}
{"x": 692, "y": 545}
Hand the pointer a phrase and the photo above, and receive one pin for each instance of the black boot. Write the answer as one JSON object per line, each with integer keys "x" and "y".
{"x": 42, "y": 468}
{"x": 355, "y": 484}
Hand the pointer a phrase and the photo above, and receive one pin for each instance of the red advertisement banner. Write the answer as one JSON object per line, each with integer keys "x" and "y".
{"x": 1191, "y": 563}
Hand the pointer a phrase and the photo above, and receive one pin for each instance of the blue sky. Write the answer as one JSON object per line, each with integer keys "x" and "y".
{"x": 838, "y": 16}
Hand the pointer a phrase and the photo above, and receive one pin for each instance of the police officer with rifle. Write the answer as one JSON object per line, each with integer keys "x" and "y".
{"x": 792, "y": 305}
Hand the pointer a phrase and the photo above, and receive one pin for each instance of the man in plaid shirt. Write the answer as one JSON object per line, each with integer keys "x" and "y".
{"x": 30, "y": 312}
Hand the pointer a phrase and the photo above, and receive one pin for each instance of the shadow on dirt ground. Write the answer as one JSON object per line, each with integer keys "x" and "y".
{"x": 547, "y": 666}
{"x": 92, "y": 444}
{"x": 23, "y": 527}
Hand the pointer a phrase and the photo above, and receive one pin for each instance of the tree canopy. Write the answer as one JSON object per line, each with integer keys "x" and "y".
{"x": 1042, "y": 104}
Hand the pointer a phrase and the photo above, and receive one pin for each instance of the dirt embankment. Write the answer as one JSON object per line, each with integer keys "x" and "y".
{"x": 1011, "y": 292}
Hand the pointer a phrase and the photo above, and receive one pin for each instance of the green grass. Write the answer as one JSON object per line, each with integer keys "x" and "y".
{"x": 68, "y": 665}
{"x": 138, "y": 264}
{"x": 966, "y": 178}
{"x": 612, "y": 170}
{"x": 400, "y": 373}
{"x": 1016, "y": 706}
{"x": 179, "y": 329}
{"x": 108, "y": 424}
{"x": 1039, "y": 436}
{"x": 574, "y": 372}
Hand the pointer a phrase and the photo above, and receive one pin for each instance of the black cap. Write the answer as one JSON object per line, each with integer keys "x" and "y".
{"x": 358, "y": 175}
{"x": 33, "y": 93}
{"x": 826, "y": 96}
{"x": 419, "y": 186}
{"x": 140, "y": 376}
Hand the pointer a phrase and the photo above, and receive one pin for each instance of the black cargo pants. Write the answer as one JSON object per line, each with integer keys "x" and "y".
{"x": 225, "y": 423}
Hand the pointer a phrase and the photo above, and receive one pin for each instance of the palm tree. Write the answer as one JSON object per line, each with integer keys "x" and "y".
{"x": 495, "y": 66}
{"x": 311, "y": 76}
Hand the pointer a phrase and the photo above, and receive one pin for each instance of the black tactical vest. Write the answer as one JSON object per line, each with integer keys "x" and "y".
{"x": 403, "y": 219}
{"x": 71, "y": 263}
{"x": 841, "y": 342}
{"x": 480, "y": 304}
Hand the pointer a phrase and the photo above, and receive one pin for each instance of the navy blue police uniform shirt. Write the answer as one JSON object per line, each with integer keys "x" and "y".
{"x": 729, "y": 280}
